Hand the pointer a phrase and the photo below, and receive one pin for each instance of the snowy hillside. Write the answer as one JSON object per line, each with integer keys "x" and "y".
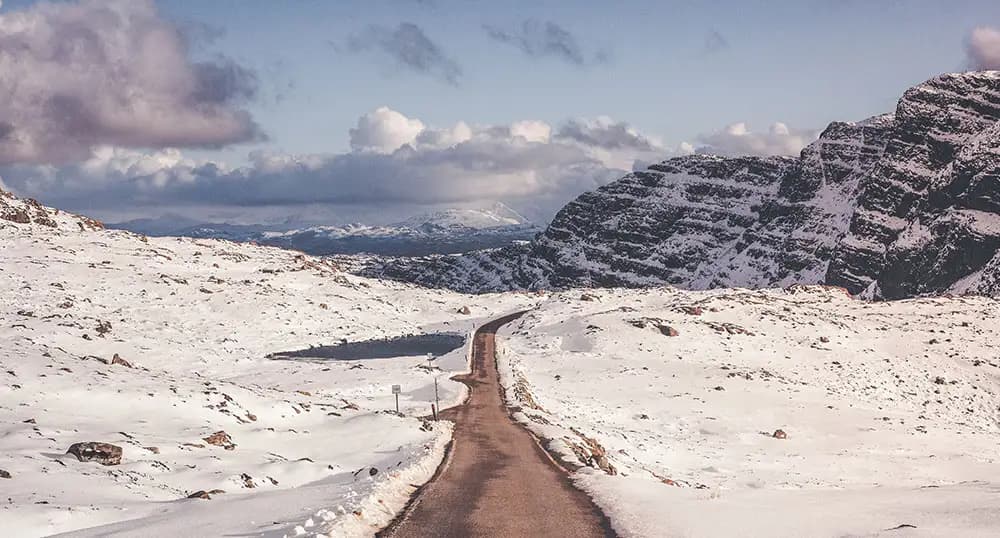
{"x": 442, "y": 232}
{"x": 155, "y": 345}
{"x": 899, "y": 205}
{"x": 496, "y": 216}
{"x": 693, "y": 413}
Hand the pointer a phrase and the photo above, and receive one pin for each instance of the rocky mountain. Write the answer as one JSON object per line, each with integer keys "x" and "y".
{"x": 443, "y": 232}
{"x": 898, "y": 205}
{"x": 30, "y": 211}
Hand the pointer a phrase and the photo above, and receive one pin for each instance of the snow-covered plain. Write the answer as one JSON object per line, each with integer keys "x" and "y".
{"x": 890, "y": 411}
{"x": 667, "y": 403}
{"x": 196, "y": 320}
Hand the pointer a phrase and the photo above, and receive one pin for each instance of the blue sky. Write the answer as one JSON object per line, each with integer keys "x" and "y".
{"x": 803, "y": 63}
{"x": 628, "y": 82}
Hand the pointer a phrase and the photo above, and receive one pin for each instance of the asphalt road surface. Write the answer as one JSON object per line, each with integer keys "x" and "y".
{"x": 496, "y": 481}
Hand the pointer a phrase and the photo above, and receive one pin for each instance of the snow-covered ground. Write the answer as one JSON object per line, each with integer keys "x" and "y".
{"x": 669, "y": 402}
{"x": 316, "y": 450}
{"x": 890, "y": 411}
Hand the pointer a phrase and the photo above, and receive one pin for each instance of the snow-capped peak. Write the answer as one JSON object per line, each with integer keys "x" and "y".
{"x": 494, "y": 216}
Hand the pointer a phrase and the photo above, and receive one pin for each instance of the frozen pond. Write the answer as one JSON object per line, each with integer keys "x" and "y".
{"x": 403, "y": 346}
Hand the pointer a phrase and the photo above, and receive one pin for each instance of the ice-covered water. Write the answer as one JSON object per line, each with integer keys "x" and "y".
{"x": 404, "y": 346}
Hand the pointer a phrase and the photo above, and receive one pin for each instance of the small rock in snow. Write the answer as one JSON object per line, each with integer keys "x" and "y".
{"x": 221, "y": 438}
{"x": 103, "y": 453}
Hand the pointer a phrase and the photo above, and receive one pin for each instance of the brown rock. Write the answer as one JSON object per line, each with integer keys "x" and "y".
{"x": 121, "y": 362}
{"x": 206, "y": 495}
{"x": 221, "y": 438}
{"x": 153, "y": 449}
{"x": 464, "y": 310}
{"x": 103, "y": 327}
{"x": 667, "y": 330}
{"x": 4, "y": 474}
{"x": 779, "y": 434}
{"x": 247, "y": 481}
{"x": 103, "y": 453}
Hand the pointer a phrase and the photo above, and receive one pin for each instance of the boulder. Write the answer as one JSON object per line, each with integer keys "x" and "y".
{"x": 206, "y": 495}
{"x": 103, "y": 453}
{"x": 116, "y": 360}
{"x": 221, "y": 438}
{"x": 667, "y": 330}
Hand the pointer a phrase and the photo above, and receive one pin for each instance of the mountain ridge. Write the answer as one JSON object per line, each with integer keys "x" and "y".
{"x": 440, "y": 232}
{"x": 897, "y": 205}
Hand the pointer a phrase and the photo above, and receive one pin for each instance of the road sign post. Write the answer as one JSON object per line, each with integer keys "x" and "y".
{"x": 437, "y": 401}
{"x": 396, "y": 391}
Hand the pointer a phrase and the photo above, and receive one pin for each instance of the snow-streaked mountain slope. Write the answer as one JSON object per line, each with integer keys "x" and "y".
{"x": 890, "y": 410}
{"x": 898, "y": 205}
{"x": 195, "y": 321}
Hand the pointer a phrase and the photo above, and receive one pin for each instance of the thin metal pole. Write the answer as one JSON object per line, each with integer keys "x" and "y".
{"x": 436, "y": 399}
{"x": 397, "y": 404}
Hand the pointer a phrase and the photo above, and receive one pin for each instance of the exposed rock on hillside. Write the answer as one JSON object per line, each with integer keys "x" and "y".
{"x": 894, "y": 206}
{"x": 28, "y": 211}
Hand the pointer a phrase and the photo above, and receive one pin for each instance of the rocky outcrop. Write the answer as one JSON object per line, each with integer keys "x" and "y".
{"x": 103, "y": 453}
{"x": 898, "y": 205}
{"x": 221, "y": 438}
{"x": 928, "y": 213}
{"x": 30, "y": 211}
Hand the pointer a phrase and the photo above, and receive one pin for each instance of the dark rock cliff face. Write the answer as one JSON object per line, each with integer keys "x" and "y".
{"x": 895, "y": 206}
{"x": 927, "y": 214}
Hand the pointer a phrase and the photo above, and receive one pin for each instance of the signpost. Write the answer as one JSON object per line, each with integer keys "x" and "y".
{"x": 396, "y": 391}
{"x": 437, "y": 400}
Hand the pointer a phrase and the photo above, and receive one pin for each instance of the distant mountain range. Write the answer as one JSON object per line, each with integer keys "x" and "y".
{"x": 898, "y": 205}
{"x": 443, "y": 232}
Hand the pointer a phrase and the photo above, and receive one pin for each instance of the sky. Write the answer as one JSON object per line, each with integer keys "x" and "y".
{"x": 371, "y": 111}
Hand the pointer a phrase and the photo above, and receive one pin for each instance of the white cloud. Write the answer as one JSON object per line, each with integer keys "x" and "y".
{"x": 615, "y": 143}
{"x": 444, "y": 138}
{"x": 75, "y": 75}
{"x": 384, "y": 130}
{"x": 983, "y": 48}
{"x": 532, "y": 130}
{"x": 737, "y": 139}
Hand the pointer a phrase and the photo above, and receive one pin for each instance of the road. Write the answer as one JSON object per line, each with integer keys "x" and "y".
{"x": 496, "y": 480}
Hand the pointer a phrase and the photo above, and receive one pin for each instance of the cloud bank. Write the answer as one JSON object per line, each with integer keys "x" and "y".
{"x": 410, "y": 48}
{"x": 738, "y": 139}
{"x": 983, "y": 48}
{"x": 394, "y": 159}
{"x": 78, "y": 75}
